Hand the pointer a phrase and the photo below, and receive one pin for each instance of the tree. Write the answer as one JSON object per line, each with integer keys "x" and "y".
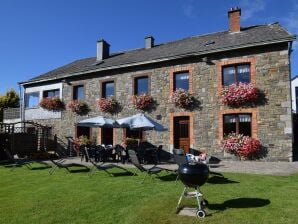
{"x": 10, "y": 99}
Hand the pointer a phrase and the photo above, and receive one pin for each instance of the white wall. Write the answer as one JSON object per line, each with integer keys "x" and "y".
{"x": 40, "y": 113}
{"x": 294, "y": 83}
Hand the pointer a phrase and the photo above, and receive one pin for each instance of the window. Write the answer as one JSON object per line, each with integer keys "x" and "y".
{"x": 236, "y": 73}
{"x": 237, "y": 123}
{"x": 108, "y": 89}
{"x": 51, "y": 93}
{"x": 141, "y": 85}
{"x": 31, "y": 99}
{"x": 181, "y": 81}
{"x": 78, "y": 92}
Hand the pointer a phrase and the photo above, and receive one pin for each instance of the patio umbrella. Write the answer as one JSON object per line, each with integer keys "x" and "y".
{"x": 99, "y": 121}
{"x": 140, "y": 121}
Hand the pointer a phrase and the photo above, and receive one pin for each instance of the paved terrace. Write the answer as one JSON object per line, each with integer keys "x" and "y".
{"x": 254, "y": 167}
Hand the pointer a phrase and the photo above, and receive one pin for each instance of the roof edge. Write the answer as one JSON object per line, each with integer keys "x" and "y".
{"x": 65, "y": 75}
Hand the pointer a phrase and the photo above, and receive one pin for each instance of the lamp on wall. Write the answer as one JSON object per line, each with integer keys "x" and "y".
{"x": 66, "y": 81}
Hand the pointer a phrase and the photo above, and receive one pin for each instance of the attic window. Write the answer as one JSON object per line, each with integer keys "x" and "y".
{"x": 210, "y": 42}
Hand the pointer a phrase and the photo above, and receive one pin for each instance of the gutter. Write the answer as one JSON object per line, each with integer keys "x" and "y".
{"x": 62, "y": 76}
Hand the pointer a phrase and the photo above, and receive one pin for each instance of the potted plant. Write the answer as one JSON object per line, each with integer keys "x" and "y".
{"x": 51, "y": 104}
{"x": 238, "y": 94}
{"x": 182, "y": 98}
{"x": 108, "y": 105}
{"x": 240, "y": 145}
{"x": 143, "y": 101}
{"x": 78, "y": 107}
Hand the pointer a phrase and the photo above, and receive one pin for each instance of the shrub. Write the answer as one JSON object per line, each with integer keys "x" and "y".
{"x": 78, "y": 107}
{"x": 240, "y": 145}
{"x": 142, "y": 102}
{"x": 131, "y": 141}
{"x": 81, "y": 140}
{"x": 238, "y": 94}
{"x": 108, "y": 105}
{"x": 182, "y": 98}
{"x": 51, "y": 104}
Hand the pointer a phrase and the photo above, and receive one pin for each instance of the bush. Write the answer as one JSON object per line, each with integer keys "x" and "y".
{"x": 142, "y": 102}
{"x": 78, "y": 107}
{"x": 242, "y": 146}
{"x": 239, "y": 94}
{"x": 182, "y": 98}
{"x": 51, "y": 104}
{"x": 108, "y": 105}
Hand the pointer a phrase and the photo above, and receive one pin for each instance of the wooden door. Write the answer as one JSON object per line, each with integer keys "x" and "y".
{"x": 107, "y": 136}
{"x": 181, "y": 133}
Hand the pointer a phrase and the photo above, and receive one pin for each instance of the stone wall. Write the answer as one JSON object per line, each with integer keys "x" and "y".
{"x": 273, "y": 119}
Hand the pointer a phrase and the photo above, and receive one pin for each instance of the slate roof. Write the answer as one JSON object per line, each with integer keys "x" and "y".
{"x": 196, "y": 45}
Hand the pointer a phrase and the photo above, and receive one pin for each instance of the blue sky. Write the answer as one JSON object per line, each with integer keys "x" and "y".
{"x": 39, "y": 35}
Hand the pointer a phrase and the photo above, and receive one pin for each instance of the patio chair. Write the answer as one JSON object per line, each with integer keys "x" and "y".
{"x": 155, "y": 170}
{"x": 180, "y": 159}
{"x": 102, "y": 166}
{"x": 17, "y": 162}
{"x": 61, "y": 162}
{"x": 27, "y": 161}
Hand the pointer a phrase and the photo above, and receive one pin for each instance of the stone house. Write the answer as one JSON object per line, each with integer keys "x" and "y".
{"x": 202, "y": 65}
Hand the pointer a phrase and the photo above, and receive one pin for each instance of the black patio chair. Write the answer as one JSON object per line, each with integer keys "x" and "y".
{"x": 23, "y": 161}
{"x": 155, "y": 170}
{"x": 61, "y": 162}
{"x": 121, "y": 154}
{"x": 179, "y": 159}
{"x": 16, "y": 162}
{"x": 102, "y": 166}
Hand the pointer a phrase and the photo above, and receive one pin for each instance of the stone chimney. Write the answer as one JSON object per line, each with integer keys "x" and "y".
{"x": 149, "y": 42}
{"x": 234, "y": 19}
{"x": 103, "y": 50}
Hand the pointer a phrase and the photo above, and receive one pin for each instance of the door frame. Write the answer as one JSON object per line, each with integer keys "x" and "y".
{"x": 191, "y": 127}
{"x": 179, "y": 141}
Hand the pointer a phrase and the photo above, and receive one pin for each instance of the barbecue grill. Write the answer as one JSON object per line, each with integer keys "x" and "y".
{"x": 193, "y": 175}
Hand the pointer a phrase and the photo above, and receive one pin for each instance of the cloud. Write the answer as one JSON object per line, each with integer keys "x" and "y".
{"x": 250, "y": 8}
{"x": 188, "y": 9}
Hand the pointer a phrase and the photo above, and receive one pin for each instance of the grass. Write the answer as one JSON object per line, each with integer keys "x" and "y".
{"x": 34, "y": 196}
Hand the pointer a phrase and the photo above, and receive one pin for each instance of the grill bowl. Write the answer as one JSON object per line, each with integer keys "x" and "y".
{"x": 193, "y": 175}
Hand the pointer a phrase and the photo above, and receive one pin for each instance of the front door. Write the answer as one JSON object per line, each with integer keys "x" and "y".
{"x": 181, "y": 133}
{"x": 107, "y": 136}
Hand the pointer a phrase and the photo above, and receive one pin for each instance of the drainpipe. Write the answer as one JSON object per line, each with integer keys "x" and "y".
{"x": 293, "y": 142}
{"x": 22, "y": 109}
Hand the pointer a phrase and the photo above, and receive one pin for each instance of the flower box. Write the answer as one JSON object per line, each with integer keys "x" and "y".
{"x": 52, "y": 104}
{"x": 238, "y": 94}
{"x": 78, "y": 107}
{"x": 108, "y": 105}
{"x": 241, "y": 145}
{"x": 142, "y": 102}
{"x": 182, "y": 98}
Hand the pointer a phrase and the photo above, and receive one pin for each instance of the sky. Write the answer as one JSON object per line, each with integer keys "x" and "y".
{"x": 37, "y": 36}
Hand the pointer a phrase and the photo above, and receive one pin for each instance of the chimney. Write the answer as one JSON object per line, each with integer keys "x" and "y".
{"x": 234, "y": 18}
{"x": 103, "y": 50}
{"x": 149, "y": 42}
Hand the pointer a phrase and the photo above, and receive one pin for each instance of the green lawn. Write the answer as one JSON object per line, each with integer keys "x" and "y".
{"x": 34, "y": 196}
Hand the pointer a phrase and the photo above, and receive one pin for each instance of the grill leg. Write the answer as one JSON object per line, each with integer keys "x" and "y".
{"x": 198, "y": 195}
{"x": 180, "y": 199}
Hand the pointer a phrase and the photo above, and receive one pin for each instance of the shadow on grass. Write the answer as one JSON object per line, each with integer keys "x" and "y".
{"x": 220, "y": 179}
{"x": 168, "y": 177}
{"x": 122, "y": 174}
{"x": 82, "y": 170}
{"x": 239, "y": 203}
